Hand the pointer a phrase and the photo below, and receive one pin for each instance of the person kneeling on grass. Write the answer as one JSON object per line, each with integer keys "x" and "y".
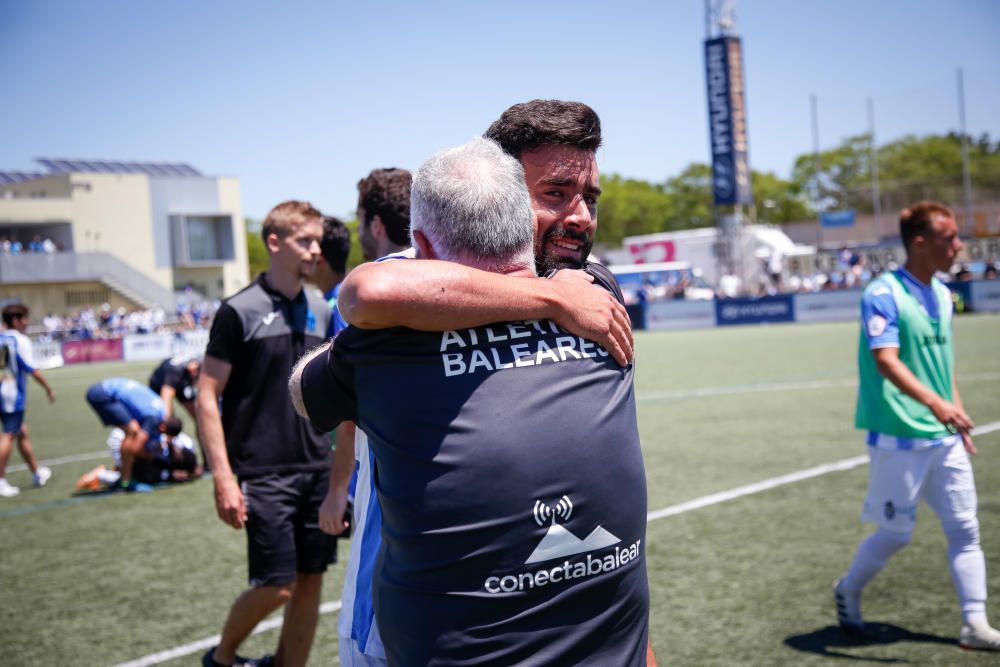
{"x": 139, "y": 413}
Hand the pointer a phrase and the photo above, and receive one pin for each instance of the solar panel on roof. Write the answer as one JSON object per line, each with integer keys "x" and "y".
{"x": 8, "y": 177}
{"x": 61, "y": 166}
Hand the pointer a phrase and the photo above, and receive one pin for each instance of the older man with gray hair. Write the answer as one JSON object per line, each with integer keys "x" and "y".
{"x": 506, "y": 457}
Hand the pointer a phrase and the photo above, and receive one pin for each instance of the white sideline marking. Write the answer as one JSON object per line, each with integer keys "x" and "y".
{"x": 205, "y": 644}
{"x": 779, "y": 386}
{"x": 697, "y": 503}
{"x": 89, "y": 456}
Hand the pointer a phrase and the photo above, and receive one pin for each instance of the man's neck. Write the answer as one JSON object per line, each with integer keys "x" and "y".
{"x": 919, "y": 270}
{"x": 287, "y": 284}
{"x": 390, "y": 248}
{"x": 328, "y": 282}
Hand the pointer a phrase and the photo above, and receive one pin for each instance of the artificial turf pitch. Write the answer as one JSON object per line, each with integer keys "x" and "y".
{"x": 107, "y": 579}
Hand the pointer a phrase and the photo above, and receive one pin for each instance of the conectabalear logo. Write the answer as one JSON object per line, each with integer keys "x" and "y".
{"x": 559, "y": 542}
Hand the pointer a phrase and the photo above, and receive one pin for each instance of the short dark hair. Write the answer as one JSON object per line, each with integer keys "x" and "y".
{"x": 14, "y": 311}
{"x": 172, "y": 426}
{"x": 386, "y": 193}
{"x": 282, "y": 218}
{"x": 916, "y": 220}
{"x": 336, "y": 243}
{"x": 546, "y": 122}
{"x": 184, "y": 459}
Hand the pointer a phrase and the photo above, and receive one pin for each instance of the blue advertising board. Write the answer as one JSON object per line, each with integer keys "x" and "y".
{"x": 843, "y": 218}
{"x": 727, "y": 121}
{"x": 778, "y": 308}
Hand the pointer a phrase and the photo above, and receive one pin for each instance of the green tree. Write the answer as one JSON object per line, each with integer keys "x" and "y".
{"x": 257, "y": 259}
{"x": 837, "y": 178}
{"x": 691, "y": 193}
{"x": 777, "y": 200}
{"x": 629, "y": 207}
{"x": 910, "y": 168}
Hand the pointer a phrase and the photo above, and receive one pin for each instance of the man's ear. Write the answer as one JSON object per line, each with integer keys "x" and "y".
{"x": 377, "y": 227}
{"x": 424, "y": 248}
{"x": 272, "y": 242}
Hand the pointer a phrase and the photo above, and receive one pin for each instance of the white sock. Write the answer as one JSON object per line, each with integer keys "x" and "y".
{"x": 968, "y": 569}
{"x": 872, "y": 556}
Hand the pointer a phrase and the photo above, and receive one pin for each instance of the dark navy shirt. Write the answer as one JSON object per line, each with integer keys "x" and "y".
{"x": 509, "y": 473}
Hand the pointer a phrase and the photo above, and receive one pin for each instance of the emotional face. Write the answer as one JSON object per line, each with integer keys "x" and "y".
{"x": 564, "y": 185}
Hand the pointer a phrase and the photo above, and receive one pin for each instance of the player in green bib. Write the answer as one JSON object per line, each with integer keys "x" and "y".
{"x": 919, "y": 435}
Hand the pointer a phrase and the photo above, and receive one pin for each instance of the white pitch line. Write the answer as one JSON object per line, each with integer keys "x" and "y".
{"x": 779, "y": 386}
{"x": 697, "y": 503}
{"x": 89, "y": 456}
{"x": 208, "y": 642}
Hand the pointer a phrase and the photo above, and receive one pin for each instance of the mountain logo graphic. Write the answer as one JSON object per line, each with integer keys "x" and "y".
{"x": 559, "y": 542}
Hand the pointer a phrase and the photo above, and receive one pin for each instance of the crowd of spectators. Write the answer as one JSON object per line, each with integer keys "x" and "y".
{"x": 36, "y": 244}
{"x": 107, "y": 322}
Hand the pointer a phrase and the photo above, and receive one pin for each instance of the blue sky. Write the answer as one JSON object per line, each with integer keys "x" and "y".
{"x": 301, "y": 99}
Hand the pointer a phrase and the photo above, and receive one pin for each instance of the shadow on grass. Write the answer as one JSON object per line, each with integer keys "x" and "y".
{"x": 831, "y": 640}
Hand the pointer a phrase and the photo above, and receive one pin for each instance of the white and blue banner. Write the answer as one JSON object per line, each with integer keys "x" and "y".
{"x": 778, "y": 308}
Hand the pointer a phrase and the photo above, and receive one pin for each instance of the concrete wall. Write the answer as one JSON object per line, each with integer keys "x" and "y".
{"x": 62, "y": 298}
{"x": 128, "y": 215}
{"x": 235, "y": 274}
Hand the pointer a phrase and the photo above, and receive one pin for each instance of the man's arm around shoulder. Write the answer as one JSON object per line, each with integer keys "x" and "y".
{"x": 432, "y": 295}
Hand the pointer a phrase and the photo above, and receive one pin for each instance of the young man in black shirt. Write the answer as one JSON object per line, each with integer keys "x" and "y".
{"x": 280, "y": 460}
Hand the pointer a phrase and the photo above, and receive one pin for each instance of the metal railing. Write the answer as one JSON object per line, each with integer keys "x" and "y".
{"x": 78, "y": 266}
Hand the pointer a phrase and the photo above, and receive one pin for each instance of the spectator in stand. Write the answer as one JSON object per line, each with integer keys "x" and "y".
{"x": 16, "y": 363}
{"x": 48, "y": 246}
{"x": 729, "y": 285}
{"x": 775, "y": 268}
{"x": 991, "y": 272}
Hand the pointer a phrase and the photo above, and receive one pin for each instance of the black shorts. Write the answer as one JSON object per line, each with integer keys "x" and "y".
{"x": 283, "y": 533}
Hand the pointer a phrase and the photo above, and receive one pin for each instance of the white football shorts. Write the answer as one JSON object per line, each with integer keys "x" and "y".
{"x": 898, "y": 479}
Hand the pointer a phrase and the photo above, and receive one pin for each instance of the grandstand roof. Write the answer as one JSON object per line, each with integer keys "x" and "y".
{"x": 8, "y": 177}
{"x": 66, "y": 166}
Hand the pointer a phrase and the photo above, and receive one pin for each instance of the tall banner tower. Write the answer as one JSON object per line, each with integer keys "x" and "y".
{"x": 727, "y": 129}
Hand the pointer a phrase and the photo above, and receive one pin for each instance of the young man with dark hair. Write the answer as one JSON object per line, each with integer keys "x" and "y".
{"x": 17, "y": 362}
{"x": 383, "y": 218}
{"x": 919, "y": 435}
{"x": 386, "y": 192}
{"x": 270, "y": 467}
{"x": 331, "y": 268}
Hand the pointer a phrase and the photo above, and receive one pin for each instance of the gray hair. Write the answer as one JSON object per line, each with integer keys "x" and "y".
{"x": 472, "y": 204}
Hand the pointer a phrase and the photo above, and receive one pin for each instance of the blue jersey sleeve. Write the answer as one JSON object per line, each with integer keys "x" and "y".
{"x": 337, "y": 322}
{"x": 880, "y": 317}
